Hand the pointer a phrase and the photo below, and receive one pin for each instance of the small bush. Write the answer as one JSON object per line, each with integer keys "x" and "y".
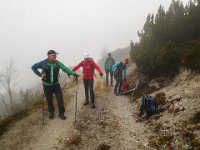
{"x": 160, "y": 98}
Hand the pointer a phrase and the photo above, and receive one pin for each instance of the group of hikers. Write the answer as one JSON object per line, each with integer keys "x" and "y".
{"x": 50, "y": 77}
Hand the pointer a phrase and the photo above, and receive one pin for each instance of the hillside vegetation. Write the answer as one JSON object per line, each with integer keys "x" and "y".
{"x": 170, "y": 39}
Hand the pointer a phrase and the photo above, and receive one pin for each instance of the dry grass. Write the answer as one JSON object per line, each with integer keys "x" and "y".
{"x": 163, "y": 140}
{"x": 186, "y": 132}
{"x": 100, "y": 85}
{"x": 73, "y": 140}
{"x": 6, "y": 123}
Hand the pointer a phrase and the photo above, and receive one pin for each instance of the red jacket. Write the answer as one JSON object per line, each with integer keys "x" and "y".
{"x": 88, "y": 68}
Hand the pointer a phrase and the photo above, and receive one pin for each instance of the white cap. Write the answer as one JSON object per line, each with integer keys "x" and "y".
{"x": 86, "y": 55}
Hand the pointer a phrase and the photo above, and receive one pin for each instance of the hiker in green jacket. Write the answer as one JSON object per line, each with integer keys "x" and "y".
{"x": 119, "y": 76}
{"x": 50, "y": 77}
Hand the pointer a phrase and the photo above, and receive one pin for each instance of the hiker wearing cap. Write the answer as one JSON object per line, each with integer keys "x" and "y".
{"x": 50, "y": 76}
{"x": 88, "y": 66}
{"x": 108, "y": 68}
{"x": 118, "y": 70}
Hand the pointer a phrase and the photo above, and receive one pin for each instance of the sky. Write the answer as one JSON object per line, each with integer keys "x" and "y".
{"x": 29, "y": 28}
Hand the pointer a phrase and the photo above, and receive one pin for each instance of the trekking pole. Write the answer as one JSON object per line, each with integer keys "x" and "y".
{"x": 169, "y": 103}
{"x": 136, "y": 86}
{"x": 43, "y": 109}
{"x": 43, "y": 100}
{"x": 102, "y": 90}
{"x": 67, "y": 86}
{"x": 76, "y": 99}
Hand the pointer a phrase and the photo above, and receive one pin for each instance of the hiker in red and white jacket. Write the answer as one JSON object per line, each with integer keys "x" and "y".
{"x": 89, "y": 67}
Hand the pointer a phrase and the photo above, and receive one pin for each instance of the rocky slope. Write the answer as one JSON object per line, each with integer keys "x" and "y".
{"x": 178, "y": 127}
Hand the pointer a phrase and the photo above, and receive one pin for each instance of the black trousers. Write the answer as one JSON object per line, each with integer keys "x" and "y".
{"x": 118, "y": 86}
{"x": 111, "y": 76}
{"x": 49, "y": 91}
{"x": 89, "y": 85}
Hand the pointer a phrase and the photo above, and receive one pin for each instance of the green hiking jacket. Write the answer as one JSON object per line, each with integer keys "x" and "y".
{"x": 51, "y": 71}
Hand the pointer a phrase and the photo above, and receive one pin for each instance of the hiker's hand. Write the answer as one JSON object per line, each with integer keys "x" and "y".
{"x": 75, "y": 77}
{"x": 101, "y": 74}
{"x": 124, "y": 79}
{"x": 69, "y": 75}
{"x": 42, "y": 76}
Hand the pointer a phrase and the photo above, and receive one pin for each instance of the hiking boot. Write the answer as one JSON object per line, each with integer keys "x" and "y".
{"x": 51, "y": 115}
{"x": 86, "y": 102}
{"x": 62, "y": 116}
{"x": 93, "y": 105}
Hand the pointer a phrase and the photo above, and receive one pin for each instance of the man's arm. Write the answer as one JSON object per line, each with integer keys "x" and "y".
{"x": 66, "y": 69}
{"x": 37, "y": 66}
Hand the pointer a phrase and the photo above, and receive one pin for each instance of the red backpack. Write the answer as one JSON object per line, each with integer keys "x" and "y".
{"x": 125, "y": 86}
{"x": 88, "y": 67}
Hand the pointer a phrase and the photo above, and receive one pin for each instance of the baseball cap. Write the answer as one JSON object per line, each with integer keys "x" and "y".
{"x": 51, "y": 52}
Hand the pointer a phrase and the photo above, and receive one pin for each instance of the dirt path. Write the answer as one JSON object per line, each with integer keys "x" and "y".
{"x": 110, "y": 126}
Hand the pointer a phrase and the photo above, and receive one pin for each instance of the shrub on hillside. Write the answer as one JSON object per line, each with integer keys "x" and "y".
{"x": 164, "y": 40}
{"x": 191, "y": 58}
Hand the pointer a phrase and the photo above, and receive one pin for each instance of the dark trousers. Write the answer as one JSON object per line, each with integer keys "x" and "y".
{"x": 118, "y": 86}
{"x": 111, "y": 76}
{"x": 56, "y": 89}
{"x": 89, "y": 85}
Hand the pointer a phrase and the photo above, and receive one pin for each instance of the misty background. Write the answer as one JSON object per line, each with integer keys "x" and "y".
{"x": 29, "y": 28}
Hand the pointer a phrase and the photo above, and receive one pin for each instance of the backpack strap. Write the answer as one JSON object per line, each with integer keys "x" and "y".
{"x": 57, "y": 65}
{"x": 91, "y": 62}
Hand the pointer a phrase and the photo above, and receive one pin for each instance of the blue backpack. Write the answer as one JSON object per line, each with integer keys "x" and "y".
{"x": 149, "y": 104}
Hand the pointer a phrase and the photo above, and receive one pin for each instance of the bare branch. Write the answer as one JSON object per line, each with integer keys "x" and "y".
{"x": 8, "y": 79}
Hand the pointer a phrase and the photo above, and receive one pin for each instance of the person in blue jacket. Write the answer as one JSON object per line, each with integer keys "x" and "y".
{"x": 50, "y": 76}
{"x": 119, "y": 70}
{"x": 108, "y": 68}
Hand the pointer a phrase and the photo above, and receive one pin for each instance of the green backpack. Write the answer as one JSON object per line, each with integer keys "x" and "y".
{"x": 51, "y": 72}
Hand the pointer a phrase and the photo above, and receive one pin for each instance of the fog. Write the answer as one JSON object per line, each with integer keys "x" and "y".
{"x": 29, "y": 28}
